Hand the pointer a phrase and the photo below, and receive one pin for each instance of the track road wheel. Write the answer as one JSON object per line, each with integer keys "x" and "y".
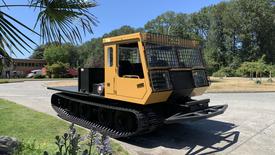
{"x": 125, "y": 121}
{"x": 105, "y": 117}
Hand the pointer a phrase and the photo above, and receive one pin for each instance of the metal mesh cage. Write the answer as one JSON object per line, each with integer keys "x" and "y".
{"x": 169, "y": 40}
{"x": 172, "y": 56}
{"x": 189, "y": 58}
{"x": 200, "y": 78}
{"x": 160, "y": 80}
{"x": 161, "y": 56}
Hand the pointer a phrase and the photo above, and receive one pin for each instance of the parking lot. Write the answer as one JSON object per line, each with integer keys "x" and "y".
{"x": 247, "y": 127}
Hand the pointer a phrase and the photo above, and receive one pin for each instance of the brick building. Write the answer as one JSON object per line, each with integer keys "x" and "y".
{"x": 20, "y": 67}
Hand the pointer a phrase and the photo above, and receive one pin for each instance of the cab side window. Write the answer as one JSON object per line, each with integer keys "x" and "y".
{"x": 110, "y": 56}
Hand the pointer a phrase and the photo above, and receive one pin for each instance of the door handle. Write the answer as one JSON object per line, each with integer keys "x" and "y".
{"x": 140, "y": 85}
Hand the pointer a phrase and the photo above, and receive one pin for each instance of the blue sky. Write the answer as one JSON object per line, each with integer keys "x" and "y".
{"x": 113, "y": 14}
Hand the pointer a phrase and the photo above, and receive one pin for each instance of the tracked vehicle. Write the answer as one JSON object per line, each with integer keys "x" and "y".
{"x": 148, "y": 80}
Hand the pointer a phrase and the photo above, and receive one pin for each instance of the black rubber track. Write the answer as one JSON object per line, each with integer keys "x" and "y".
{"x": 147, "y": 120}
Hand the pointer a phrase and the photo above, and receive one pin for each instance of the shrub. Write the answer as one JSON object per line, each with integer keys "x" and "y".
{"x": 219, "y": 73}
{"x": 270, "y": 80}
{"x": 65, "y": 53}
{"x": 39, "y": 76}
{"x": 70, "y": 143}
{"x": 29, "y": 146}
{"x": 258, "y": 82}
{"x": 273, "y": 71}
{"x": 54, "y": 54}
{"x": 225, "y": 72}
{"x": 257, "y": 68}
{"x": 57, "y": 70}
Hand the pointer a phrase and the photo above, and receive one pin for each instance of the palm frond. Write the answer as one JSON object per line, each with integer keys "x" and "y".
{"x": 4, "y": 54}
{"x": 64, "y": 20}
{"x": 5, "y": 4}
{"x": 11, "y": 37}
{"x": 60, "y": 21}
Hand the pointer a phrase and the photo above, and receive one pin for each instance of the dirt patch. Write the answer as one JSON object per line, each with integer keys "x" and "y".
{"x": 62, "y": 83}
{"x": 236, "y": 84}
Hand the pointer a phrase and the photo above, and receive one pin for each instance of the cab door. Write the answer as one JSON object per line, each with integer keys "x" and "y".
{"x": 129, "y": 81}
{"x": 110, "y": 68}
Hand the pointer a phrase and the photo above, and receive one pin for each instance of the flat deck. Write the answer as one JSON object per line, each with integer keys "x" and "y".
{"x": 73, "y": 90}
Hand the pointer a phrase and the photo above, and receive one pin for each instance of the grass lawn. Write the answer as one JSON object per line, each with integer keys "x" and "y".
{"x": 31, "y": 79}
{"x": 237, "y": 84}
{"x": 4, "y": 81}
{"x": 35, "y": 129}
{"x": 9, "y": 80}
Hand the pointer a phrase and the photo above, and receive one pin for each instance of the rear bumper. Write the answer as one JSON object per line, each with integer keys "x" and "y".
{"x": 197, "y": 115}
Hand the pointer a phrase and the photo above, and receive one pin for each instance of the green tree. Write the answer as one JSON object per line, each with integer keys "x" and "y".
{"x": 91, "y": 52}
{"x": 215, "y": 50}
{"x": 257, "y": 68}
{"x": 38, "y": 52}
{"x": 162, "y": 24}
{"x": 61, "y": 21}
{"x": 231, "y": 32}
{"x": 200, "y": 23}
{"x": 54, "y": 54}
{"x": 1, "y": 65}
{"x": 239, "y": 31}
{"x": 73, "y": 55}
{"x": 256, "y": 29}
{"x": 57, "y": 70}
{"x": 66, "y": 53}
{"x": 171, "y": 23}
{"x": 122, "y": 30}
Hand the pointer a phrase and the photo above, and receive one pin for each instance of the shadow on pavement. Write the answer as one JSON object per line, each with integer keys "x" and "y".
{"x": 194, "y": 137}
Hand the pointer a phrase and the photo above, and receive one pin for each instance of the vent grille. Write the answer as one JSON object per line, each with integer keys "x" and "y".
{"x": 160, "y": 80}
{"x": 200, "y": 78}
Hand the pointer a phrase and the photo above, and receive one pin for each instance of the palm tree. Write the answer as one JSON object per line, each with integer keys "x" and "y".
{"x": 58, "y": 21}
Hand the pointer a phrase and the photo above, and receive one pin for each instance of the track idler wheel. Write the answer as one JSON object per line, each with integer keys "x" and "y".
{"x": 124, "y": 121}
{"x": 105, "y": 117}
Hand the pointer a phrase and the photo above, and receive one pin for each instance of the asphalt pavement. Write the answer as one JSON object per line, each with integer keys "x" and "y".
{"x": 247, "y": 127}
